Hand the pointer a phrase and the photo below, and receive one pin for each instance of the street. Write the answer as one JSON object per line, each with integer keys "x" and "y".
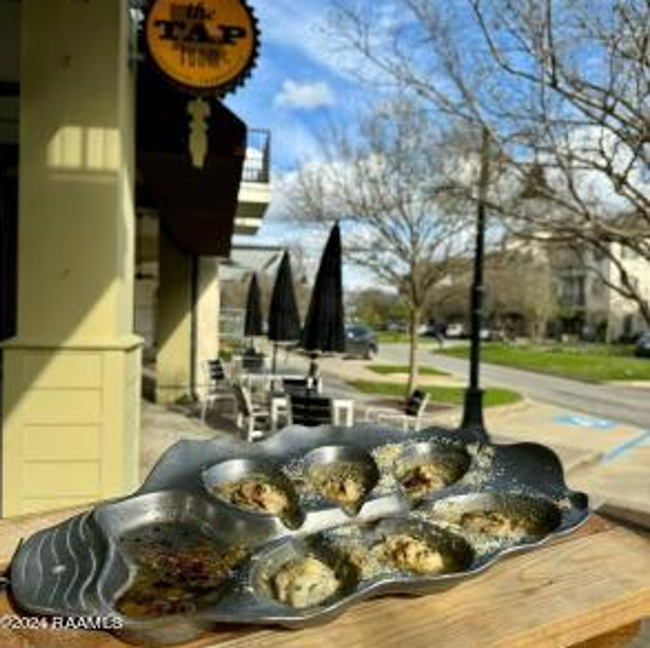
{"x": 629, "y": 405}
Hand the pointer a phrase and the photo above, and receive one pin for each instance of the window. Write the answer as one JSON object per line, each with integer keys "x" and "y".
{"x": 572, "y": 291}
{"x": 597, "y": 288}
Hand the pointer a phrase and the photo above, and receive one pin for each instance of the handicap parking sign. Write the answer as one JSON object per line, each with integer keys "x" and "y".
{"x": 589, "y": 422}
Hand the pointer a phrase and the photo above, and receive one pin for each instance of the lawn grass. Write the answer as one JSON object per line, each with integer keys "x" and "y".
{"x": 590, "y": 363}
{"x": 446, "y": 395}
{"x": 398, "y": 369}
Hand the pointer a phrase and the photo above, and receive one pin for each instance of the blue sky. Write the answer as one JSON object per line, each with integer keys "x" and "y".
{"x": 297, "y": 87}
{"x": 297, "y": 84}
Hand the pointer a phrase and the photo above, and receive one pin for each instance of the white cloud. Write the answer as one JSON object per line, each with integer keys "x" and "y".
{"x": 304, "y": 96}
{"x": 590, "y": 147}
{"x": 307, "y": 26}
{"x": 602, "y": 147}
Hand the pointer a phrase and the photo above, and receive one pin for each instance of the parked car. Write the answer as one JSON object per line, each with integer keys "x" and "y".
{"x": 435, "y": 330}
{"x": 393, "y": 326}
{"x": 492, "y": 335}
{"x": 642, "y": 346}
{"x": 360, "y": 341}
{"x": 455, "y": 330}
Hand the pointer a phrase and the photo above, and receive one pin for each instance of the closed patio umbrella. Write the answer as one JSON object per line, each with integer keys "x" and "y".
{"x": 284, "y": 320}
{"x": 324, "y": 327}
{"x": 253, "y": 325}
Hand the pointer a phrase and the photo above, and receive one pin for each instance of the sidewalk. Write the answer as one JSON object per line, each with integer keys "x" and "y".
{"x": 610, "y": 464}
{"x": 607, "y": 459}
{"x": 161, "y": 428}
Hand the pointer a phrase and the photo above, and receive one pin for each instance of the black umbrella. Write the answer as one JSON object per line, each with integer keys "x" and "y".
{"x": 284, "y": 320}
{"x": 324, "y": 326}
{"x": 253, "y": 325}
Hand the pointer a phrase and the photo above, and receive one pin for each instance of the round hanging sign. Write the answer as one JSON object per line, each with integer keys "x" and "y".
{"x": 207, "y": 46}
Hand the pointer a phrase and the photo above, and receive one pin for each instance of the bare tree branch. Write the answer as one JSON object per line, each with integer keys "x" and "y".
{"x": 379, "y": 176}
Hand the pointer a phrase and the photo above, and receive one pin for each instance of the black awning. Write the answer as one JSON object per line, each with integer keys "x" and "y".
{"x": 198, "y": 205}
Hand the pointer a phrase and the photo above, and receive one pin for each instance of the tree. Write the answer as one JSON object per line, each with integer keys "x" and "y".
{"x": 563, "y": 87}
{"x": 377, "y": 307}
{"x": 519, "y": 286}
{"x": 378, "y": 177}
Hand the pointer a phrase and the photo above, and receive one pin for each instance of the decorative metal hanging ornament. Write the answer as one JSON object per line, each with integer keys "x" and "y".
{"x": 207, "y": 47}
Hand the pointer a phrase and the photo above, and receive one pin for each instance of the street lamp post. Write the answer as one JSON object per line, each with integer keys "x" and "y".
{"x": 473, "y": 410}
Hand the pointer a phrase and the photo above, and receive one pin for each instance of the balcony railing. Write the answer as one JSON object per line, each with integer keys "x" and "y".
{"x": 258, "y": 156}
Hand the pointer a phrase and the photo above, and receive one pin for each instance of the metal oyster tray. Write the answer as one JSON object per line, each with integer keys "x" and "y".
{"x": 81, "y": 566}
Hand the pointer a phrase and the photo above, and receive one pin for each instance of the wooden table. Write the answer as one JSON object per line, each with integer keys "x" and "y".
{"x": 590, "y": 589}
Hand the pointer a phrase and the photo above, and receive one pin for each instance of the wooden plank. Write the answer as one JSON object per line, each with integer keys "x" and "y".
{"x": 557, "y": 596}
{"x": 616, "y": 639}
{"x": 588, "y": 584}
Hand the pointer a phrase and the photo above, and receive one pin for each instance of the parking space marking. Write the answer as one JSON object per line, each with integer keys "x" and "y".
{"x": 616, "y": 453}
{"x": 587, "y": 422}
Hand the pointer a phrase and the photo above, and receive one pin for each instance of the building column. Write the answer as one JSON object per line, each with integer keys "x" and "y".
{"x": 187, "y": 322}
{"x": 174, "y": 322}
{"x": 207, "y": 319}
{"x": 72, "y": 374}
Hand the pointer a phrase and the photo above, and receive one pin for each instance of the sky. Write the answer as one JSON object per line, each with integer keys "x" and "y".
{"x": 298, "y": 86}
{"x": 298, "y": 83}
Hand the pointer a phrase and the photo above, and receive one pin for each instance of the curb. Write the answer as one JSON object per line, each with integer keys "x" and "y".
{"x": 633, "y": 514}
{"x": 513, "y": 408}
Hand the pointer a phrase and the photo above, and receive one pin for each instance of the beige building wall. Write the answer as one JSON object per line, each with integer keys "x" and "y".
{"x": 72, "y": 374}
{"x": 602, "y": 303}
{"x": 620, "y": 308}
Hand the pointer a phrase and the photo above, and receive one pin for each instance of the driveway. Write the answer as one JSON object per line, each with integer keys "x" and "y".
{"x": 629, "y": 405}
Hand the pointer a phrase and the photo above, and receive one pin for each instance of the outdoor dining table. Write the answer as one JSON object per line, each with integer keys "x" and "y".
{"x": 589, "y": 589}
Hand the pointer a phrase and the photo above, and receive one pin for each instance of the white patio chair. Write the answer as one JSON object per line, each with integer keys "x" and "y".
{"x": 409, "y": 419}
{"x": 253, "y": 420}
{"x": 217, "y": 386}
